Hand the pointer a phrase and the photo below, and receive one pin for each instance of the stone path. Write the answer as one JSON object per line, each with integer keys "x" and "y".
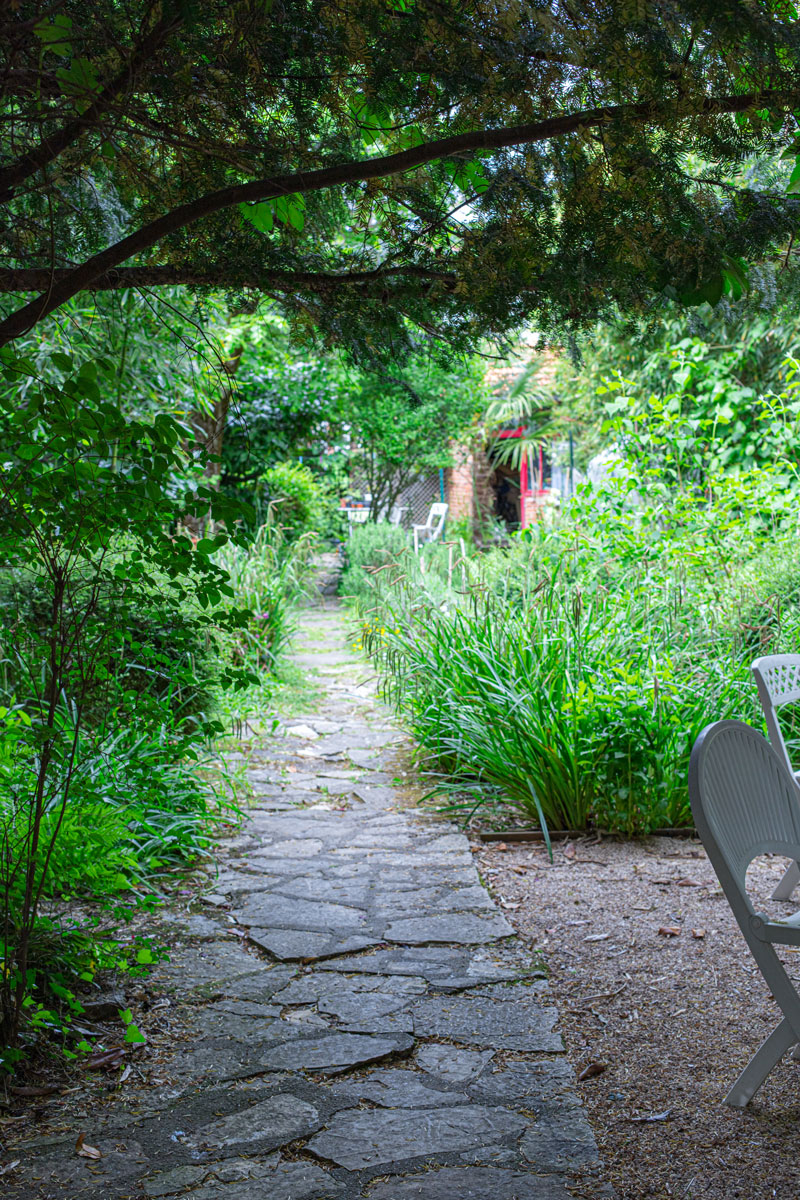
{"x": 354, "y": 1019}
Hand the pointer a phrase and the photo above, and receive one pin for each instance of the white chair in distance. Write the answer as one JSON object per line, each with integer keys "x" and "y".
{"x": 433, "y": 527}
{"x": 778, "y": 681}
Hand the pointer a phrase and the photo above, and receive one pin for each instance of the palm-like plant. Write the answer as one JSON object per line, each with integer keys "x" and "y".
{"x": 527, "y": 405}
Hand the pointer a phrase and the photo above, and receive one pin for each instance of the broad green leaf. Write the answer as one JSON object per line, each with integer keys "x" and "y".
{"x": 54, "y": 34}
{"x": 79, "y": 79}
{"x": 259, "y": 215}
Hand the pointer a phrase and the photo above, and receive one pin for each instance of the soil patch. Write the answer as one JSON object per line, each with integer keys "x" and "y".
{"x": 672, "y": 1016}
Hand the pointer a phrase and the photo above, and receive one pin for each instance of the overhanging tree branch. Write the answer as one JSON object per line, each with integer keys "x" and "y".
{"x": 55, "y": 143}
{"x": 31, "y": 279}
{"x": 84, "y": 276}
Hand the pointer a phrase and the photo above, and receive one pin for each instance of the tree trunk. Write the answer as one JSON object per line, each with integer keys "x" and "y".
{"x": 209, "y": 428}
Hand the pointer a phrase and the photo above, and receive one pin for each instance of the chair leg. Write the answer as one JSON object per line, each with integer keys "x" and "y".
{"x": 789, "y": 882}
{"x": 782, "y": 1038}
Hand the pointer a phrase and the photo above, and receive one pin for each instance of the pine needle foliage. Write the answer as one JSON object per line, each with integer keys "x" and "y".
{"x": 433, "y": 170}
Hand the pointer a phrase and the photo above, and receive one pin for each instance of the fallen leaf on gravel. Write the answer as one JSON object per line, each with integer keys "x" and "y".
{"x": 597, "y": 937}
{"x": 589, "y": 1072}
{"x": 84, "y": 1151}
{"x": 670, "y": 930}
{"x": 500, "y": 846}
{"x": 569, "y": 850}
{"x": 511, "y": 905}
{"x": 520, "y": 870}
{"x": 9, "y": 1167}
{"x": 698, "y": 933}
{"x": 651, "y": 1118}
{"x": 691, "y": 883}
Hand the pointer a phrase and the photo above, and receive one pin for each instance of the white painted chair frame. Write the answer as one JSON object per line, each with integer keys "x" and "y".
{"x": 433, "y": 527}
{"x": 778, "y": 681}
{"x": 744, "y": 804}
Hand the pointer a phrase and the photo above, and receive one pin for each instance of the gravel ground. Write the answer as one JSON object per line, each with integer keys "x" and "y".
{"x": 661, "y": 1001}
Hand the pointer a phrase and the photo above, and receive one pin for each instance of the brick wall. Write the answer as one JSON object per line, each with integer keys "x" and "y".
{"x": 459, "y": 485}
{"x": 483, "y": 483}
{"x": 469, "y": 485}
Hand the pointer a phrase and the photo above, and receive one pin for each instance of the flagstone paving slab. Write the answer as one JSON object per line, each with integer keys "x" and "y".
{"x": 360, "y": 1138}
{"x": 450, "y": 1065}
{"x": 470, "y": 1183}
{"x": 335, "y": 1051}
{"x": 399, "y": 1089}
{"x": 304, "y": 945}
{"x": 348, "y": 1016}
{"x": 448, "y": 927}
{"x": 271, "y": 1123}
{"x": 485, "y": 1021}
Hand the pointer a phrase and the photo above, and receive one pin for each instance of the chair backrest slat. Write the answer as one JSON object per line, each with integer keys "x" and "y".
{"x": 778, "y": 681}
{"x": 436, "y": 512}
{"x": 781, "y": 675}
{"x": 742, "y": 801}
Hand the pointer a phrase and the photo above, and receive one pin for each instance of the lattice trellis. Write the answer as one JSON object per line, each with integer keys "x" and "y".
{"x": 782, "y": 678}
{"x": 411, "y": 506}
{"x": 416, "y": 500}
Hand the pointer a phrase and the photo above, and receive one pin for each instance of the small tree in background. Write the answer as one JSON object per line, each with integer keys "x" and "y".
{"x": 402, "y": 425}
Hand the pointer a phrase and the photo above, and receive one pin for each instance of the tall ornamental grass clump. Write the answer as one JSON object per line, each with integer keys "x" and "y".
{"x": 267, "y": 576}
{"x": 377, "y": 547}
{"x": 571, "y": 675}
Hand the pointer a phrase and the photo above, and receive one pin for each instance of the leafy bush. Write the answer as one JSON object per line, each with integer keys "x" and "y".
{"x": 571, "y": 675}
{"x": 296, "y": 499}
{"x": 377, "y": 552}
{"x": 370, "y": 546}
{"x": 162, "y": 651}
{"x": 89, "y": 500}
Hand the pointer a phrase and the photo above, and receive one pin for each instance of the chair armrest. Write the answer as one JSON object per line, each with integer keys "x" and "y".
{"x": 780, "y": 933}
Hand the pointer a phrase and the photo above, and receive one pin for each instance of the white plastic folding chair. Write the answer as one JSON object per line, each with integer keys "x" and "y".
{"x": 744, "y": 804}
{"x": 433, "y": 527}
{"x": 778, "y": 681}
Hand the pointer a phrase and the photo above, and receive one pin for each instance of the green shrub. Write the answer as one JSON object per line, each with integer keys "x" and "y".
{"x": 369, "y": 546}
{"x": 162, "y": 650}
{"x": 298, "y": 502}
{"x": 572, "y": 673}
{"x": 111, "y": 597}
{"x": 378, "y": 554}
